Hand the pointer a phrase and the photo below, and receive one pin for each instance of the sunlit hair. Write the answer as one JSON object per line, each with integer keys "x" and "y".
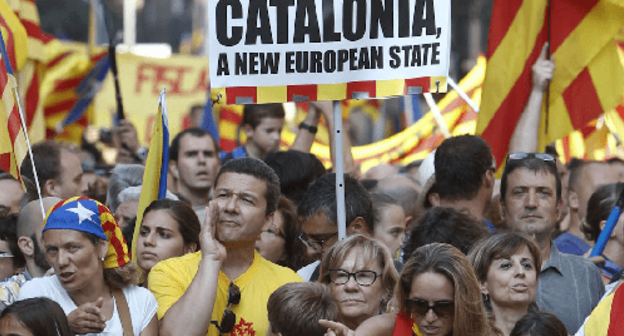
{"x": 367, "y": 249}
{"x": 500, "y": 246}
{"x": 41, "y": 316}
{"x": 444, "y": 259}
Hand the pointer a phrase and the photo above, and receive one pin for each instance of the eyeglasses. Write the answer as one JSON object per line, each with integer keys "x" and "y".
{"x": 362, "y": 278}
{"x": 6, "y": 255}
{"x": 422, "y": 307}
{"x": 229, "y": 317}
{"x": 317, "y": 245}
{"x": 274, "y": 232}
{"x": 522, "y": 156}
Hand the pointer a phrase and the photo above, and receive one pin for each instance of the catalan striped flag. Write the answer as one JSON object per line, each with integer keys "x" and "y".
{"x": 606, "y": 319}
{"x": 65, "y": 70}
{"x": 29, "y": 77}
{"x": 588, "y": 80}
{"x": 13, "y": 147}
{"x": 155, "y": 174}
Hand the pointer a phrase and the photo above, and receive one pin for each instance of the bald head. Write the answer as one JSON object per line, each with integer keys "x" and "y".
{"x": 30, "y": 220}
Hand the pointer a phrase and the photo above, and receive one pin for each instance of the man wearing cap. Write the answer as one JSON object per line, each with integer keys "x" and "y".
{"x": 245, "y": 197}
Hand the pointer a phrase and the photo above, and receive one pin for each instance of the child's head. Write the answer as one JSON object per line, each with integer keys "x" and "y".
{"x": 539, "y": 324}
{"x": 263, "y": 125}
{"x": 37, "y": 316}
{"x": 295, "y": 308}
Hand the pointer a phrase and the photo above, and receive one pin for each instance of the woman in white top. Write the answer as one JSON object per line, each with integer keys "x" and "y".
{"x": 94, "y": 276}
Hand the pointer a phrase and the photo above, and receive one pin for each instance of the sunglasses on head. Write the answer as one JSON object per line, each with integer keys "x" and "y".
{"x": 523, "y": 156}
{"x": 421, "y": 307}
{"x": 229, "y": 317}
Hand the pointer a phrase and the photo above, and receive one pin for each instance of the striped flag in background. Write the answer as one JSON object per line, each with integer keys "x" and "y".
{"x": 13, "y": 146}
{"x": 588, "y": 79}
{"x": 29, "y": 77}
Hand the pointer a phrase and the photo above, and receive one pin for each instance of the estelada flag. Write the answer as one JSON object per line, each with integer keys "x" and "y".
{"x": 155, "y": 175}
{"x": 588, "y": 80}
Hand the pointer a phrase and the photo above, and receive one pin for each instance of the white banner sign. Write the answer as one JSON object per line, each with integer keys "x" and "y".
{"x": 301, "y": 42}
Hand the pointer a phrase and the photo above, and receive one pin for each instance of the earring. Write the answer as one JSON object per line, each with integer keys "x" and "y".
{"x": 486, "y": 297}
{"x": 102, "y": 258}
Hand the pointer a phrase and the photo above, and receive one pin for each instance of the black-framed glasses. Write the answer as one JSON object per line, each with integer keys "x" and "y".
{"x": 229, "y": 317}
{"x": 317, "y": 245}
{"x": 339, "y": 276}
{"x": 522, "y": 156}
{"x": 422, "y": 307}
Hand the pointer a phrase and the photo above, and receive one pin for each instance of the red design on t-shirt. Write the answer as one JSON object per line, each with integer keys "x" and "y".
{"x": 243, "y": 329}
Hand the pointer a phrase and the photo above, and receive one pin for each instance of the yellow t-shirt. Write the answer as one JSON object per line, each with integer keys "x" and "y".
{"x": 169, "y": 279}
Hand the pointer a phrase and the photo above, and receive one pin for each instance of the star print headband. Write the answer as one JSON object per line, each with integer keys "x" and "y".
{"x": 90, "y": 216}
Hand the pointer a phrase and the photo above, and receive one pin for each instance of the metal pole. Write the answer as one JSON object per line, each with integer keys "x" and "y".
{"x": 339, "y": 164}
{"x": 129, "y": 17}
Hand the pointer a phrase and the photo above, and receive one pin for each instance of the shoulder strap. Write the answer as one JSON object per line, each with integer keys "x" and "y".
{"x": 124, "y": 312}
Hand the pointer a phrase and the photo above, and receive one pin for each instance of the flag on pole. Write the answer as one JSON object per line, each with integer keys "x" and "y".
{"x": 86, "y": 91}
{"x": 13, "y": 147}
{"x": 155, "y": 174}
{"x": 588, "y": 80}
{"x": 208, "y": 123}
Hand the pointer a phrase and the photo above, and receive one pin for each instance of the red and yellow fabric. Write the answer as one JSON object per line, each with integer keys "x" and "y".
{"x": 585, "y": 84}
{"x": 29, "y": 77}
{"x": 606, "y": 319}
{"x": 15, "y": 36}
{"x": 65, "y": 68}
{"x": 13, "y": 146}
{"x": 321, "y": 92}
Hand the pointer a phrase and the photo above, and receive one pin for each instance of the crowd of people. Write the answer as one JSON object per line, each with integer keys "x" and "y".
{"x": 246, "y": 242}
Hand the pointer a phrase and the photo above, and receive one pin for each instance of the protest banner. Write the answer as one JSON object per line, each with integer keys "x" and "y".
{"x": 264, "y": 51}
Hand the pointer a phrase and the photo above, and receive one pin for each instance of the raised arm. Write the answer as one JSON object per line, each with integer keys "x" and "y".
{"x": 305, "y": 138}
{"x": 188, "y": 313}
{"x": 525, "y": 135}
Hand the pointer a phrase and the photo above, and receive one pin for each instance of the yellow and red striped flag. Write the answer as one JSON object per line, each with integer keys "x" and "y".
{"x": 29, "y": 77}
{"x": 606, "y": 318}
{"x": 13, "y": 147}
{"x": 588, "y": 80}
{"x": 66, "y": 67}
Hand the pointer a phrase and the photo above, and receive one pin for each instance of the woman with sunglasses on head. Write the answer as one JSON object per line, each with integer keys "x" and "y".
{"x": 169, "y": 229}
{"x": 506, "y": 265}
{"x": 361, "y": 275}
{"x": 94, "y": 278}
{"x": 437, "y": 295}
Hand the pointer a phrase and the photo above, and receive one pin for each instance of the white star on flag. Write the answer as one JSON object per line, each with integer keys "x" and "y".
{"x": 82, "y": 212}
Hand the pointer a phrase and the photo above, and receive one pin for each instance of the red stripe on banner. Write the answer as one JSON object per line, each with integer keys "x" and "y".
{"x": 582, "y": 100}
{"x": 587, "y": 130}
{"x": 240, "y": 92}
{"x": 10, "y": 44}
{"x": 566, "y": 148}
{"x": 230, "y": 115}
{"x": 502, "y": 18}
{"x": 309, "y": 91}
{"x": 61, "y": 107}
{"x": 32, "y": 29}
{"x": 32, "y": 98}
{"x": 616, "y": 322}
{"x": 5, "y": 162}
{"x": 499, "y": 130}
{"x": 424, "y": 83}
{"x": 66, "y": 84}
{"x": 566, "y": 17}
{"x": 14, "y": 124}
{"x": 58, "y": 59}
{"x": 367, "y": 86}
{"x": 227, "y": 145}
{"x": 620, "y": 110}
{"x": 459, "y": 101}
